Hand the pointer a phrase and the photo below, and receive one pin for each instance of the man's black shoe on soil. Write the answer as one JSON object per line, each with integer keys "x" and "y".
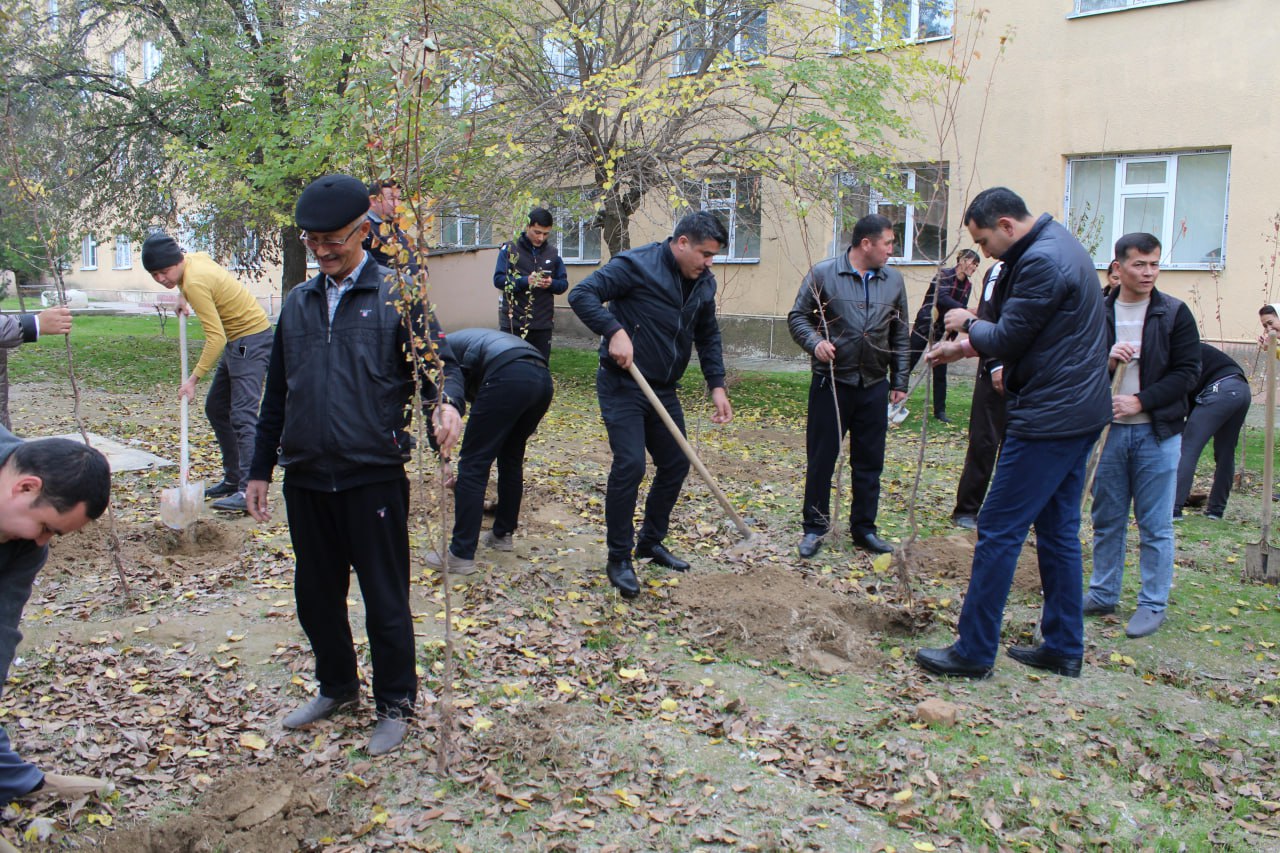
{"x": 942, "y": 417}
{"x": 947, "y": 662}
{"x": 809, "y": 544}
{"x": 659, "y": 555}
{"x": 221, "y": 490}
{"x": 623, "y": 578}
{"x": 872, "y": 543}
{"x": 1042, "y": 658}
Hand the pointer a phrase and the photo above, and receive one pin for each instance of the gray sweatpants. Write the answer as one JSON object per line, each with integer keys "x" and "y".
{"x": 233, "y": 401}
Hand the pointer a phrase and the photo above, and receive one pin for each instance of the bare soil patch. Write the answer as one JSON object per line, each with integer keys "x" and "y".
{"x": 951, "y": 558}
{"x": 151, "y": 546}
{"x": 773, "y": 614}
{"x": 261, "y": 810}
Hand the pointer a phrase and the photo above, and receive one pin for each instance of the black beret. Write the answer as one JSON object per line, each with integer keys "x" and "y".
{"x": 330, "y": 203}
{"x": 159, "y": 251}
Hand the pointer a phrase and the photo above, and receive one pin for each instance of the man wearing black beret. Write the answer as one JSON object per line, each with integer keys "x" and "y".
{"x": 334, "y": 416}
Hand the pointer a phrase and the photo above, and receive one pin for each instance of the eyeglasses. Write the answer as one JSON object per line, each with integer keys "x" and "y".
{"x": 332, "y": 244}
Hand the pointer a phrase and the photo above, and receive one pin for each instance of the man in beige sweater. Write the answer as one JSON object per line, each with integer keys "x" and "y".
{"x": 237, "y": 339}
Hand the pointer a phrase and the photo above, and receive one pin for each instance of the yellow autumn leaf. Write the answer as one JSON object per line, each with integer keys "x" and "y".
{"x": 198, "y": 753}
{"x": 563, "y": 686}
{"x": 669, "y": 705}
{"x": 881, "y": 563}
{"x": 923, "y": 846}
{"x": 99, "y": 819}
{"x": 631, "y": 674}
{"x": 481, "y": 724}
{"x": 252, "y": 741}
{"x": 903, "y": 795}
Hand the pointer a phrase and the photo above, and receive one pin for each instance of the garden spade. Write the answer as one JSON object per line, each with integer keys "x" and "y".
{"x": 1261, "y": 561}
{"x": 180, "y": 507}
{"x": 746, "y": 532}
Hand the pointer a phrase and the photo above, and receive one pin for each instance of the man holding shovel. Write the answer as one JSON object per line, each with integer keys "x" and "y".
{"x": 334, "y": 416}
{"x": 237, "y": 338}
{"x": 661, "y": 302}
{"x": 1046, "y": 327}
{"x": 48, "y": 487}
{"x": 1156, "y": 336}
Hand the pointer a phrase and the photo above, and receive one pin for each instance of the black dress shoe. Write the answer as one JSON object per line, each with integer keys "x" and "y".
{"x": 947, "y": 662}
{"x": 658, "y": 554}
{"x": 1042, "y": 658}
{"x": 809, "y": 544}
{"x": 872, "y": 543}
{"x": 623, "y": 577}
{"x": 942, "y": 417}
{"x": 222, "y": 490}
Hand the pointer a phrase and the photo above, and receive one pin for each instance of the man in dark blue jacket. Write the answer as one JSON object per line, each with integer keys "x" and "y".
{"x": 1048, "y": 331}
{"x": 661, "y": 301}
{"x": 508, "y": 391}
{"x": 531, "y": 274}
{"x": 334, "y": 415}
{"x": 1156, "y": 336}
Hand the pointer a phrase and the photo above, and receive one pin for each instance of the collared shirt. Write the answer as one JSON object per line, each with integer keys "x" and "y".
{"x": 334, "y": 290}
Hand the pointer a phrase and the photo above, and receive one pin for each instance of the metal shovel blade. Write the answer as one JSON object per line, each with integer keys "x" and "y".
{"x": 1262, "y": 562}
{"x": 180, "y": 506}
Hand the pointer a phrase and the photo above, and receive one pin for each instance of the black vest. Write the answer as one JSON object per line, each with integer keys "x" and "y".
{"x": 530, "y": 309}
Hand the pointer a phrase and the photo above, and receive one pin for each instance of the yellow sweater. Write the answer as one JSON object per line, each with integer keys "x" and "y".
{"x": 226, "y": 309}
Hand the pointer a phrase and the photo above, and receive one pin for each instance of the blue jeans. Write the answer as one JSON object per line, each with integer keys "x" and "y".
{"x": 1136, "y": 469}
{"x": 1037, "y": 481}
{"x": 20, "y": 562}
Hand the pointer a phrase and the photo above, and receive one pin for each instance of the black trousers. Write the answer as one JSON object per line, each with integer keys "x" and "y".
{"x": 986, "y": 432}
{"x": 540, "y": 338}
{"x": 506, "y": 411}
{"x": 1218, "y": 414}
{"x": 633, "y": 428}
{"x": 864, "y": 415}
{"x": 920, "y": 340}
{"x": 365, "y": 528}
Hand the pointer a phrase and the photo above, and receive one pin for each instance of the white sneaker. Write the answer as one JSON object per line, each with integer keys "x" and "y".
{"x": 457, "y": 565}
{"x": 498, "y": 543}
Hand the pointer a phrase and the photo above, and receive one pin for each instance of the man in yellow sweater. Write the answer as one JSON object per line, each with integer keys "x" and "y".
{"x": 235, "y": 329}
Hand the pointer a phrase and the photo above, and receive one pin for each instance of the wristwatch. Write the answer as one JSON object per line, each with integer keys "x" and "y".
{"x": 968, "y": 322}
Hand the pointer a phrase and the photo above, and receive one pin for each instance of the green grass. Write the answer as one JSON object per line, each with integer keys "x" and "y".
{"x": 110, "y": 354}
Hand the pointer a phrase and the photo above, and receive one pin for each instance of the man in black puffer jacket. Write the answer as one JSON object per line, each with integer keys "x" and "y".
{"x": 662, "y": 300}
{"x": 508, "y": 391}
{"x": 334, "y": 416}
{"x": 1048, "y": 329}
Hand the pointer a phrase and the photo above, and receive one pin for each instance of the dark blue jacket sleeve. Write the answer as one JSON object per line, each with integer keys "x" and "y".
{"x": 271, "y": 415}
{"x": 518, "y": 283}
{"x": 559, "y": 277}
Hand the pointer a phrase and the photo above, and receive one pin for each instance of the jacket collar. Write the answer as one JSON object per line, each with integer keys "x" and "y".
{"x": 669, "y": 258}
{"x": 1019, "y": 248}
{"x": 1155, "y": 306}
{"x": 845, "y": 267}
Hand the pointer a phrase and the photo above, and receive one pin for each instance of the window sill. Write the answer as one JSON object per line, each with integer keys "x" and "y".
{"x": 88, "y": 269}
{"x": 840, "y": 50}
{"x": 123, "y": 268}
{"x": 737, "y": 260}
{"x": 903, "y": 262}
{"x": 580, "y": 263}
{"x": 1143, "y": 5}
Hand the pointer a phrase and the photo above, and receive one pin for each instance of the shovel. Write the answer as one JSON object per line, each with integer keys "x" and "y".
{"x": 180, "y": 507}
{"x": 746, "y": 532}
{"x": 1261, "y": 562}
{"x": 1095, "y": 455}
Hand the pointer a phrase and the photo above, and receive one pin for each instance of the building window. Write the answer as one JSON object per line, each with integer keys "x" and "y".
{"x": 248, "y": 253}
{"x": 124, "y": 253}
{"x": 53, "y": 15}
{"x": 1180, "y": 198}
{"x": 576, "y": 240}
{"x": 917, "y": 207}
{"x": 562, "y": 63}
{"x": 465, "y": 232}
{"x": 88, "y": 253}
{"x": 878, "y": 21}
{"x": 119, "y": 65}
{"x": 736, "y": 203}
{"x": 1085, "y": 7}
{"x": 150, "y": 61}
{"x": 464, "y": 94}
{"x": 735, "y": 30}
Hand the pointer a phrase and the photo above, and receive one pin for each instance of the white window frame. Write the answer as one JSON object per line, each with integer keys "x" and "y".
{"x": 906, "y": 247}
{"x": 151, "y": 59}
{"x": 845, "y": 38}
{"x": 123, "y": 257}
{"x": 88, "y": 253}
{"x": 731, "y": 206}
{"x": 463, "y": 94}
{"x": 1166, "y": 190}
{"x": 582, "y": 226}
{"x": 740, "y": 48}
{"x": 119, "y": 65}
{"x": 248, "y": 253}
{"x": 1120, "y": 6}
{"x": 52, "y": 7}
{"x": 562, "y": 62}
{"x": 454, "y": 221}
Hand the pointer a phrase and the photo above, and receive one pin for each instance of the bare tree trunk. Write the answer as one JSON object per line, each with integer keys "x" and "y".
{"x": 294, "y": 259}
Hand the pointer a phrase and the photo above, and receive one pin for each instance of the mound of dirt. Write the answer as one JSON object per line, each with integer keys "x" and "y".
{"x": 217, "y": 542}
{"x": 951, "y": 558}
{"x": 263, "y": 810}
{"x": 773, "y": 614}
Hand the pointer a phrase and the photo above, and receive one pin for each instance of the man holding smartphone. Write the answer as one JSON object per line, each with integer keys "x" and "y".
{"x": 530, "y": 273}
